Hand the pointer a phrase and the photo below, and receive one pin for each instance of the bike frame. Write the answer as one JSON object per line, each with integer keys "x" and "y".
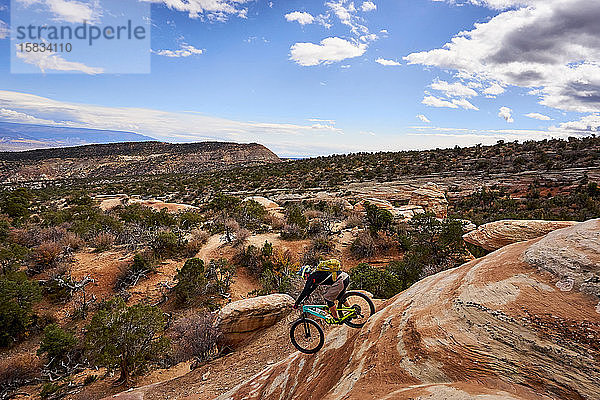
{"x": 322, "y": 311}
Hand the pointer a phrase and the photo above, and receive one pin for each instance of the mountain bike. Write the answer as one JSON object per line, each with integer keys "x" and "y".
{"x": 354, "y": 308}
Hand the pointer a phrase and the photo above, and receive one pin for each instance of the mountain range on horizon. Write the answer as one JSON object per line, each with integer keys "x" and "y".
{"x": 21, "y": 137}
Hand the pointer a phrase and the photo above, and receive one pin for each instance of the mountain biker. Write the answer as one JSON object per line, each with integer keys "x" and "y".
{"x": 336, "y": 289}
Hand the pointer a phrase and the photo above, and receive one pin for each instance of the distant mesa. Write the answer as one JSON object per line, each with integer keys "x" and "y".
{"x": 20, "y": 137}
{"x": 123, "y": 159}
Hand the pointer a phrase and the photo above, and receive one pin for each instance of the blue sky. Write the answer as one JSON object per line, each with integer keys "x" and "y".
{"x": 320, "y": 77}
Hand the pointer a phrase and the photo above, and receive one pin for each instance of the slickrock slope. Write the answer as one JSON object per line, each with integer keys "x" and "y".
{"x": 494, "y": 328}
{"x": 497, "y": 234}
{"x": 143, "y": 158}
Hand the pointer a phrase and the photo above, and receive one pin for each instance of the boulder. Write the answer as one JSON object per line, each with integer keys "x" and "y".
{"x": 241, "y": 319}
{"x": 494, "y": 328}
{"x": 431, "y": 198}
{"x": 386, "y": 205}
{"x": 408, "y": 211}
{"x": 494, "y": 235}
{"x": 263, "y": 201}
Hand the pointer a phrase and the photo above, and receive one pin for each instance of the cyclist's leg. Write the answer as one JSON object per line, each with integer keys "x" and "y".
{"x": 332, "y": 294}
{"x": 343, "y": 292}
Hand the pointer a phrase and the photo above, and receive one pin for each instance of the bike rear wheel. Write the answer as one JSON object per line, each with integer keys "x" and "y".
{"x": 307, "y": 336}
{"x": 363, "y": 307}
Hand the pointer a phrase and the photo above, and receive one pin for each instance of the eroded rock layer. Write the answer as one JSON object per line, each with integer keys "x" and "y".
{"x": 494, "y": 328}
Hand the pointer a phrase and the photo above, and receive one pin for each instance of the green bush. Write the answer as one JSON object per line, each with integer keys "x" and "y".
{"x": 377, "y": 218}
{"x": 382, "y": 283}
{"x": 59, "y": 346}
{"x": 166, "y": 245}
{"x": 17, "y": 296}
{"x": 126, "y": 338}
{"x": 140, "y": 267}
{"x": 190, "y": 281}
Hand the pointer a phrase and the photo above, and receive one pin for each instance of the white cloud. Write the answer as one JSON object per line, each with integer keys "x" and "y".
{"x": 4, "y": 31}
{"x": 47, "y": 61}
{"x": 69, "y": 10}
{"x": 303, "y": 18}
{"x": 539, "y": 116}
{"x": 550, "y": 46}
{"x": 346, "y": 13}
{"x": 383, "y": 61}
{"x": 423, "y": 118}
{"x": 455, "y": 89}
{"x": 437, "y": 102}
{"x": 464, "y": 103}
{"x": 433, "y": 101}
{"x": 493, "y": 90}
{"x": 15, "y": 116}
{"x": 586, "y": 125}
{"x": 506, "y": 113}
{"x": 368, "y": 6}
{"x": 185, "y": 50}
{"x": 331, "y": 49}
{"x": 214, "y": 10}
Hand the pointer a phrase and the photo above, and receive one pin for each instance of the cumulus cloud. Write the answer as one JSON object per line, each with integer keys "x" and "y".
{"x": 385, "y": 62}
{"x": 493, "y": 90}
{"x": 303, "y": 18}
{"x": 15, "y": 116}
{"x": 552, "y": 46}
{"x": 506, "y": 113}
{"x": 331, "y": 49}
{"x": 539, "y": 116}
{"x": 185, "y": 50}
{"x": 47, "y": 61}
{"x": 455, "y": 89}
{"x": 423, "y": 118}
{"x": 368, "y": 6}
{"x": 586, "y": 125}
{"x": 215, "y": 10}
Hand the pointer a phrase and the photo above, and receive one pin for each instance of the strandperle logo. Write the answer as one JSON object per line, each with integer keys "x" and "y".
{"x": 103, "y": 36}
{"x": 87, "y": 32}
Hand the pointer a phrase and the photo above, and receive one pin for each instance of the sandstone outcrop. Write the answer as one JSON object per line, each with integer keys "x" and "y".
{"x": 495, "y": 328}
{"x": 431, "y": 198}
{"x": 497, "y": 234}
{"x": 241, "y": 319}
{"x": 263, "y": 201}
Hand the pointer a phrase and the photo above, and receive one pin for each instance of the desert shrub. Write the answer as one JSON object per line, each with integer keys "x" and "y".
{"x": 436, "y": 244}
{"x": 167, "y": 245}
{"x": 103, "y": 241}
{"x": 251, "y": 214}
{"x": 190, "y": 219}
{"x": 378, "y": 219}
{"x": 46, "y": 255}
{"x": 274, "y": 221}
{"x": 296, "y": 224}
{"x": 60, "y": 348}
{"x": 11, "y": 256}
{"x": 194, "y": 337}
{"x": 190, "y": 281}
{"x": 363, "y": 246}
{"x": 72, "y": 241}
{"x": 406, "y": 272}
{"x": 5, "y": 226}
{"x": 17, "y": 296}
{"x": 354, "y": 219}
{"x": 90, "y": 379}
{"x": 139, "y": 268}
{"x": 126, "y": 338}
{"x": 58, "y": 288}
{"x": 220, "y": 275}
{"x": 146, "y": 216}
{"x": 380, "y": 282}
{"x": 16, "y": 203}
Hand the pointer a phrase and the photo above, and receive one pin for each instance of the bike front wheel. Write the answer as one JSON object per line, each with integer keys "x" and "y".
{"x": 362, "y": 305}
{"x": 307, "y": 336}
